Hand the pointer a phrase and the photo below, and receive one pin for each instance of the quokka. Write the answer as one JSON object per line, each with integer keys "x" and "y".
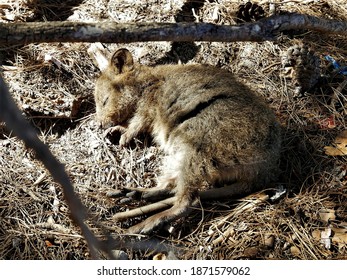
{"x": 220, "y": 138}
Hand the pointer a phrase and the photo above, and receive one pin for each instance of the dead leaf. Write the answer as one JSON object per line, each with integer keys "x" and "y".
{"x": 328, "y": 123}
{"x": 159, "y": 256}
{"x": 326, "y": 214}
{"x": 339, "y": 147}
{"x": 251, "y": 252}
{"x": 295, "y": 251}
{"x": 340, "y": 236}
{"x": 48, "y": 243}
{"x": 167, "y": 256}
{"x": 316, "y": 234}
{"x": 269, "y": 240}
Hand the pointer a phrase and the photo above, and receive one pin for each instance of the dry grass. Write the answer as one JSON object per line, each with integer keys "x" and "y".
{"x": 58, "y": 101}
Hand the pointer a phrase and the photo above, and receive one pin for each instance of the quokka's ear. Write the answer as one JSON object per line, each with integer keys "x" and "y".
{"x": 122, "y": 60}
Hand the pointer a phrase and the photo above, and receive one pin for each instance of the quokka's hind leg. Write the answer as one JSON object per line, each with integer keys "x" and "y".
{"x": 169, "y": 202}
{"x": 165, "y": 188}
{"x": 185, "y": 195}
{"x": 181, "y": 207}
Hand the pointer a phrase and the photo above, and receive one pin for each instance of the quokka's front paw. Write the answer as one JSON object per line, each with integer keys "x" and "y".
{"x": 125, "y": 139}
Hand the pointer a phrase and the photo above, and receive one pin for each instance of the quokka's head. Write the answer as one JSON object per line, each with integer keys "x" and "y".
{"x": 115, "y": 90}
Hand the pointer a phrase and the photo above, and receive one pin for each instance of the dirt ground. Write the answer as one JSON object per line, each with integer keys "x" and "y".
{"x": 301, "y": 216}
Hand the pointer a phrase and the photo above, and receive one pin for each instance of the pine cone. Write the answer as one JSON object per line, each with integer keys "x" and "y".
{"x": 302, "y": 66}
{"x": 249, "y": 12}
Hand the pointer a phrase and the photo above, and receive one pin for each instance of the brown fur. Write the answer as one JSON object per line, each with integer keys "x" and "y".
{"x": 213, "y": 129}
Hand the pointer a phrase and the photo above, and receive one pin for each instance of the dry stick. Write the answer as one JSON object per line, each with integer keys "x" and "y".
{"x": 11, "y": 115}
{"x": 111, "y": 32}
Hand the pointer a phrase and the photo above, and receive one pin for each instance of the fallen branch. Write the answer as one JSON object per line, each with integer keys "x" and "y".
{"x": 111, "y": 32}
